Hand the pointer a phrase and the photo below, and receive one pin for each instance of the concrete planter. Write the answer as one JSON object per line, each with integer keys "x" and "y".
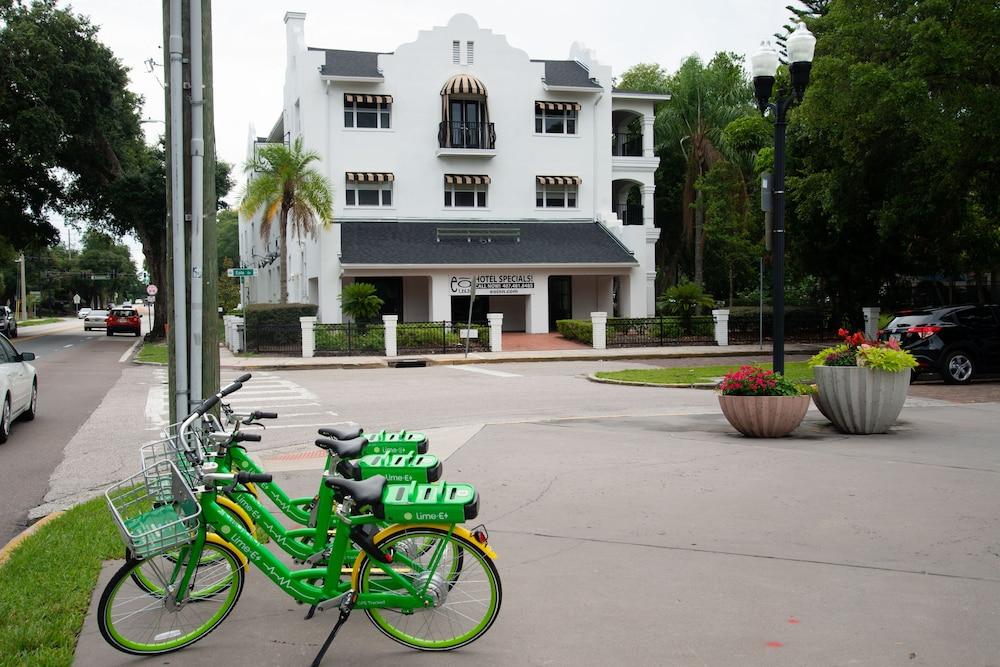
{"x": 860, "y": 400}
{"x": 764, "y": 416}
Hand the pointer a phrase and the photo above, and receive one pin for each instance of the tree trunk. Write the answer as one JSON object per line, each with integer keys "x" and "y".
{"x": 730, "y": 285}
{"x": 156, "y": 259}
{"x": 283, "y": 254}
{"x": 699, "y": 239}
{"x": 995, "y": 285}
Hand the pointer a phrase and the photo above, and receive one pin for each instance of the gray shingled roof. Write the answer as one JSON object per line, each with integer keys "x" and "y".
{"x": 349, "y": 63}
{"x": 513, "y": 243}
{"x": 567, "y": 73}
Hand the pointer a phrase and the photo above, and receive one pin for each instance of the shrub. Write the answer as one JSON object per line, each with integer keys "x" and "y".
{"x": 581, "y": 330}
{"x": 334, "y": 338}
{"x": 281, "y": 320}
{"x": 856, "y": 350}
{"x": 755, "y": 381}
{"x": 360, "y": 302}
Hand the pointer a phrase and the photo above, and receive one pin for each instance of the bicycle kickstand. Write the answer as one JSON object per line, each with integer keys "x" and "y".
{"x": 346, "y": 605}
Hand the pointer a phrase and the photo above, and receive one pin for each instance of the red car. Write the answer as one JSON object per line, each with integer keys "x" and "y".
{"x": 124, "y": 319}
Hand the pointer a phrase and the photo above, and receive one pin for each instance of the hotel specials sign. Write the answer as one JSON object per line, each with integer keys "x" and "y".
{"x": 520, "y": 283}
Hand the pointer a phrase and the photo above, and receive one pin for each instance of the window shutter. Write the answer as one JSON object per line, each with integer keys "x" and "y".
{"x": 455, "y": 51}
{"x": 469, "y": 52}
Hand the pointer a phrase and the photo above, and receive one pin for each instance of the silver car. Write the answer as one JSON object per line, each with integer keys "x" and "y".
{"x": 83, "y": 312}
{"x": 95, "y": 319}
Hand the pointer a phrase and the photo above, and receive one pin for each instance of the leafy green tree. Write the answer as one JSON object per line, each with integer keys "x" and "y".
{"x": 67, "y": 114}
{"x": 229, "y": 288}
{"x": 283, "y": 183}
{"x": 645, "y": 77}
{"x": 360, "y": 301}
{"x": 227, "y": 225}
{"x": 894, "y": 150}
{"x": 704, "y": 100}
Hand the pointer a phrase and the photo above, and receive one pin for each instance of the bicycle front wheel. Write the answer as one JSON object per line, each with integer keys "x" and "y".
{"x": 134, "y": 616}
{"x": 464, "y": 585}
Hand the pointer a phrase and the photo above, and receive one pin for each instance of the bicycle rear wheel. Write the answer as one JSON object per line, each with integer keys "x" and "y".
{"x": 465, "y": 586}
{"x": 134, "y": 617}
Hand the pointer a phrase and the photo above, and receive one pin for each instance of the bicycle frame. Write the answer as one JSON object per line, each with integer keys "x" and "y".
{"x": 295, "y": 583}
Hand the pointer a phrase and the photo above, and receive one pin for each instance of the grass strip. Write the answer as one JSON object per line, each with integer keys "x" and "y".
{"x": 796, "y": 371}
{"x": 43, "y": 320}
{"x": 153, "y": 352}
{"x": 46, "y": 585}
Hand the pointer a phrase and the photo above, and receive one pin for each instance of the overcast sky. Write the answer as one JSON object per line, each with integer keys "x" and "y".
{"x": 249, "y": 47}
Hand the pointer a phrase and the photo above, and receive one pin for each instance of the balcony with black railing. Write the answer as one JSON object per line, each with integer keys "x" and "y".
{"x": 626, "y": 144}
{"x": 630, "y": 214}
{"x": 464, "y": 135}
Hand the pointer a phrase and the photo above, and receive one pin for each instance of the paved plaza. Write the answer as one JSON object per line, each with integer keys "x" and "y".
{"x": 632, "y": 524}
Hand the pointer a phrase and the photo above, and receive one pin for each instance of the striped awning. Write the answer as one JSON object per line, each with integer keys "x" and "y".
{"x": 370, "y": 99}
{"x": 369, "y": 176}
{"x": 558, "y": 180}
{"x": 465, "y": 179}
{"x": 557, "y": 106}
{"x": 463, "y": 84}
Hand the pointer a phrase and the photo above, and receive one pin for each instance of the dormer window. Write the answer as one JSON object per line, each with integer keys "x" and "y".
{"x": 367, "y": 111}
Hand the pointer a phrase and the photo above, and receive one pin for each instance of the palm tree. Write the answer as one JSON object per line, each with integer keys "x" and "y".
{"x": 281, "y": 181}
{"x": 704, "y": 100}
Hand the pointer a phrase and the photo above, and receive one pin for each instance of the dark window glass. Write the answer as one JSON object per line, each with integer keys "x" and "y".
{"x": 367, "y": 119}
{"x": 481, "y": 198}
{"x": 447, "y": 197}
{"x": 387, "y": 198}
{"x": 554, "y": 124}
{"x": 555, "y": 199}
{"x": 349, "y": 197}
{"x": 465, "y": 198}
{"x": 539, "y": 198}
{"x": 385, "y": 118}
{"x": 975, "y": 318}
{"x": 570, "y": 126}
{"x": 538, "y": 124}
{"x": 7, "y": 352}
{"x": 368, "y": 197}
{"x": 571, "y": 199}
{"x": 348, "y": 118}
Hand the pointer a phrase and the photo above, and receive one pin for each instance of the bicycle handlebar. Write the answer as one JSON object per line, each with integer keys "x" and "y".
{"x": 243, "y": 378}
{"x": 245, "y": 437}
{"x": 260, "y": 414}
{"x": 227, "y": 390}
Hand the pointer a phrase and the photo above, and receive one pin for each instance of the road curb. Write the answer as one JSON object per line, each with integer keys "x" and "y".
{"x": 8, "y": 549}
{"x": 690, "y": 385}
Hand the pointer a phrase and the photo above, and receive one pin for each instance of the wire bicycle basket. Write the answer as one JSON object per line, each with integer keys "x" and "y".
{"x": 155, "y": 510}
{"x": 168, "y": 449}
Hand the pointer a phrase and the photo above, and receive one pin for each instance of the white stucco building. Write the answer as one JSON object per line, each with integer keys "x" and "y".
{"x": 455, "y": 158}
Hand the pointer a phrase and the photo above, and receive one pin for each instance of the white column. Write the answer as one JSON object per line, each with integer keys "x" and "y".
{"x": 440, "y": 305}
{"x": 605, "y": 293}
{"x": 650, "y": 294}
{"x": 647, "y": 205}
{"x": 647, "y": 135}
{"x": 308, "y": 336}
{"x": 721, "y": 326}
{"x": 496, "y": 331}
{"x": 390, "y": 334}
{"x": 871, "y": 321}
{"x": 538, "y": 306}
{"x": 600, "y": 336}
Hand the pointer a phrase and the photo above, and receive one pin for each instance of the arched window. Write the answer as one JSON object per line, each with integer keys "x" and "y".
{"x": 465, "y": 118}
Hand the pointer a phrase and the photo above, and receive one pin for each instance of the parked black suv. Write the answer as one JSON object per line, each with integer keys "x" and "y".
{"x": 8, "y": 326}
{"x": 959, "y": 342}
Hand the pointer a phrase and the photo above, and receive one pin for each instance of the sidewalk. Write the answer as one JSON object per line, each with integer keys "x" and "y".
{"x": 257, "y": 362}
{"x": 66, "y": 324}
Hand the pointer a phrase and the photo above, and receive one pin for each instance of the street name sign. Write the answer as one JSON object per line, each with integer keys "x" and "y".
{"x": 241, "y": 272}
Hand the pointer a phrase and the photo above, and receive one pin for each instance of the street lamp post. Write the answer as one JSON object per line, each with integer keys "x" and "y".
{"x": 764, "y": 63}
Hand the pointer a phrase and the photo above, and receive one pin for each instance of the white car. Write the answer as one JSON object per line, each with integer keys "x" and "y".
{"x": 83, "y": 312}
{"x": 95, "y": 319}
{"x": 18, "y": 387}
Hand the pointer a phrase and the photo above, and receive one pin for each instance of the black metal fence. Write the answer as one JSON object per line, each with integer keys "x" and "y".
{"x": 349, "y": 339}
{"x": 800, "y": 326}
{"x": 630, "y": 214}
{"x": 627, "y": 144}
{"x": 660, "y": 331}
{"x": 282, "y": 339}
{"x": 462, "y": 134}
{"x": 440, "y": 337}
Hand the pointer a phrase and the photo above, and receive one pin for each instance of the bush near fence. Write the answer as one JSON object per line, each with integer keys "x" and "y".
{"x": 581, "y": 330}
{"x": 348, "y": 339}
{"x": 435, "y": 337}
{"x": 272, "y": 325}
{"x": 806, "y": 326}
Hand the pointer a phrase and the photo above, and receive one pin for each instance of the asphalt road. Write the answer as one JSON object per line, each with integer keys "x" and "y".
{"x": 75, "y": 371}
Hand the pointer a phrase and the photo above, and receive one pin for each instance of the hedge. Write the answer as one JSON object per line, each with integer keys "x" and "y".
{"x": 278, "y": 313}
{"x": 334, "y": 338}
{"x": 275, "y": 326}
{"x": 433, "y": 338}
{"x": 581, "y": 330}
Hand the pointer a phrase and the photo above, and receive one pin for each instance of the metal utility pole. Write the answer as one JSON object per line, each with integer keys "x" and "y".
{"x": 175, "y": 134}
{"x": 197, "y": 197}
